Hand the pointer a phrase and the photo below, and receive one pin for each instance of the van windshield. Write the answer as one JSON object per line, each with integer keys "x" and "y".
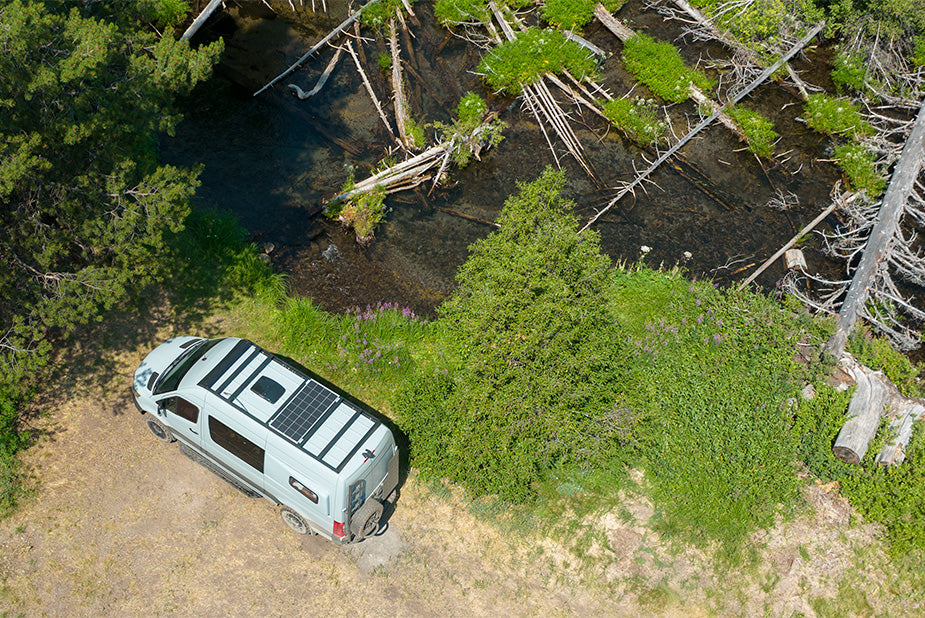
{"x": 178, "y": 368}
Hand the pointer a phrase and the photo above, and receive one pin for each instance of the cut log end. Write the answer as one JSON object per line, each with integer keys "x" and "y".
{"x": 846, "y": 454}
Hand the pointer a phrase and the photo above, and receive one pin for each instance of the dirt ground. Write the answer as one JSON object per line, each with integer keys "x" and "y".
{"x": 121, "y": 524}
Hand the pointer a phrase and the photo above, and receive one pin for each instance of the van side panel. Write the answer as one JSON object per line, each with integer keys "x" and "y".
{"x": 296, "y": 493}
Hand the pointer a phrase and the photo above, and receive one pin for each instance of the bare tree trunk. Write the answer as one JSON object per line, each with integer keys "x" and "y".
{"x": 338, "y": 30}
{"x": 203, "y": 17}
{"x": 401, "y": 105}
{"x": 883, "y": 234}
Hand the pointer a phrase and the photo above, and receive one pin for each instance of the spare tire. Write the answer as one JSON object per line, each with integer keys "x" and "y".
{"x": 365, "y": 522}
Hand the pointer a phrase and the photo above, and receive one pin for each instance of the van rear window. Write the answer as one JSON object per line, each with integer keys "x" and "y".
{"x": 271, "y": 390}
{"x": 302, "y": 489}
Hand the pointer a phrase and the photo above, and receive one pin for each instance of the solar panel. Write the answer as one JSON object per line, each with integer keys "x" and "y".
{"x": 296, "y": 419}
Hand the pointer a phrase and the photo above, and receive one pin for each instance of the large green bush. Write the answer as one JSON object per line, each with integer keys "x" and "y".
{"x": 534, "y": 385}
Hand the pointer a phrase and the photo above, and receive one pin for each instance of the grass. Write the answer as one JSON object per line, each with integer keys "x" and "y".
{"x": 514, "y": 64}
{"x": 660, "y": 67}
{"x": 859, "y": 167}
{"x": 638, "y": 118}
{"x": 835, "y": 116}
{"x": 758, "y": 129}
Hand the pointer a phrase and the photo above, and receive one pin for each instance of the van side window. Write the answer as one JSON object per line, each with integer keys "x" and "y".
{"x": 181, "y": 407}
{"x": 236, "y": 444}
{"x": 302, "y": 489}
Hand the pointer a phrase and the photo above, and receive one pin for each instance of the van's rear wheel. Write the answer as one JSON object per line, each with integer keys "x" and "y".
{"x": 366, "y": 521}
{"x": 294, "y": 520}
{"x": 160, "y": 432}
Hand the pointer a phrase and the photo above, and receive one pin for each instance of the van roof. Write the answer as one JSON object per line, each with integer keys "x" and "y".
{"x": 292, "y": 404}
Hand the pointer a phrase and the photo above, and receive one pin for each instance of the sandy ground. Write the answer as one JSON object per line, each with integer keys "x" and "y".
{"x": 122, "y": 525}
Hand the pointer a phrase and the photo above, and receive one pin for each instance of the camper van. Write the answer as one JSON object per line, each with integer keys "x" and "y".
{"x": 271, "y": 430}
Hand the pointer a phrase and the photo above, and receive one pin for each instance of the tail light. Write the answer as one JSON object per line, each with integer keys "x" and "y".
{"x": 339, "y": 529}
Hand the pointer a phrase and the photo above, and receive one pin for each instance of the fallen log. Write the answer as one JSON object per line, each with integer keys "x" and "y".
{"x": 371, "y": 92}
{"x": 199, "y": 21}
{"x": 873, "y": 394}
{"x": 629, "y": 187}
{"x": 883, "y": 234}
{"x": 321, "y": 80}
{"x": 398, "y": 88}
{"x": 335, "y": 32}
{"x": 875, "y": 398}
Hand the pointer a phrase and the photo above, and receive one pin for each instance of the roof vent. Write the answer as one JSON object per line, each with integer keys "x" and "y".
{"x": 268, "y": 389}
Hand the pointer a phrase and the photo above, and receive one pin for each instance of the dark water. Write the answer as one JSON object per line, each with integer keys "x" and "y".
{"x": 272, "y": 159}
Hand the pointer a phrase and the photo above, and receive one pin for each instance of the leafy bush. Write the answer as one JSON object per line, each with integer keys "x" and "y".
{"x": 533, "y": 383}
{"x": 638, "y": 118}
{"x": 362, "y": 213}
{"x": 835, "y": 116}
{"x": 378, "y": 15}
{"x": 857, "y": 162}
{"x": 759, "y": 130}
{"x": 514, "y": 64}
{"x": 879, "y": 355}
{"x": 849, "y": 72}
{"x": 918, "y": 52}
{"x": 465, "y": 130}
{"x": 575, "y": 14}
{"x": 660, "y": 67}
{"x": 12, "y": 440}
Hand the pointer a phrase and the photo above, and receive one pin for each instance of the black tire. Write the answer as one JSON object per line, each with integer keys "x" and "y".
{"x": 365, "y": 522}
{"x": 160, "y": 432}
{"x": 294, "y": 520}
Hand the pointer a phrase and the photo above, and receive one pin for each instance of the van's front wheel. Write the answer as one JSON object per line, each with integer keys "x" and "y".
{"x": 294, "y": 520}
{"x": 160, "y": 432}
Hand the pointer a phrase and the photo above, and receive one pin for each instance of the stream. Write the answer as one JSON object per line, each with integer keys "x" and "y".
{"x": 271, "y": 160}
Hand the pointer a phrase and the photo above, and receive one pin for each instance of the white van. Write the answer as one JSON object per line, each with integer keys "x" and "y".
{"x": 273, "y": 431}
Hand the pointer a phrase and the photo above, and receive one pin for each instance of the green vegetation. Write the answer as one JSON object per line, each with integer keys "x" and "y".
{"x": 384, "y": 61}
{"x": 858, "y": 164}
{"x": 575, "y": 14}
{"x": 533, "y": 384}
{"x": 361, "y": 212}
{"x": 759, "y": 130}
{"x": 849, "y": 72}
{"x": 835, "y": 116}
{"x": 87, "y": 208}
{"x": 461, "y": 12}
{"x": 763, "y": 25}
{"x": 378, "y": 15}
{"x": 471, "y": 113}
{"x": 638, "y": 118}
{"x": 660, "y": 67}
{"x": 514, "y": 64}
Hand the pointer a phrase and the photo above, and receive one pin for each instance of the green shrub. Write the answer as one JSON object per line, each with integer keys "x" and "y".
{"x": 758, "y": 129}
{"x": 835, "y": 116}
{"x": 362, "y": 212}
{"x": 660, "y": 67}
{"x": 534, "y": 381}
{"x": 453, "y": 12}
{"x": 514, "y": 64}
{"x": 849, "y": 72}
{"x": 877, "y": 353}
{"x": 378, "y": 15}
{"x": 384, "y": 61}
{"x": 918, "y": 52}
{"x": 857, "y": 162}
{"x": 637, "y": 118}
{"x": 415, "y": 133}
{"x": 575, "y": 14}
{"x": 471, "y": 113}
{"x": 12, "y": 441}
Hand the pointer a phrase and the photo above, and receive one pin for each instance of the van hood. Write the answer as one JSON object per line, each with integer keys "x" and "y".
{"x": 157, "y": 361}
